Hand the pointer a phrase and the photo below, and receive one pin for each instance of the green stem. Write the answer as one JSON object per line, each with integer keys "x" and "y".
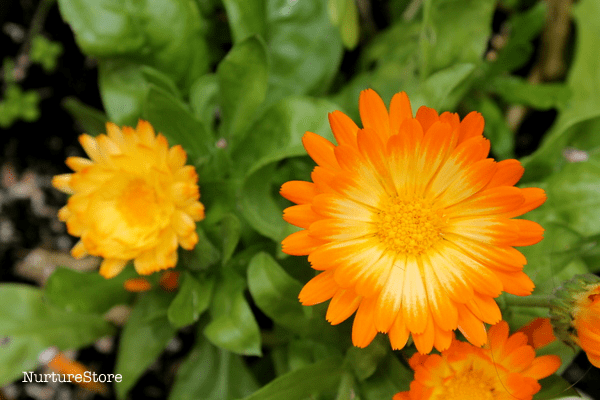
{"x": 539, "y": 300}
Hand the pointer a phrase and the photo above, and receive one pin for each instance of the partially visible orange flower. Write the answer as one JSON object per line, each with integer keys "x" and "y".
{"x": 411, "y": 224}
{"x": 586, "y": 319}
{"x": 506, "y": 368}
{"x": 133, "y": 199}
{"x": 169, "y": 280}
{"x": 575, "y": 314}
{"x": 539, "y": 332}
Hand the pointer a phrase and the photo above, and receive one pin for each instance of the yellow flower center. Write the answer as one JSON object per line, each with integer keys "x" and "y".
{"x": 409, "y": 226}
{"x": 138, "y": 203}
{"x": 468, "y": 384}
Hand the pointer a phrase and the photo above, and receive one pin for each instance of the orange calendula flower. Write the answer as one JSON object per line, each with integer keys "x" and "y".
{"x": 506, "y": 368}
{"x": 133, "y": 199}
{"x": 411, "y": 224}
{"x": 575, "y": 312}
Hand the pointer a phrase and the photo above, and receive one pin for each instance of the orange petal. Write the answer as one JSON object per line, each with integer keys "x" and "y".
{"x": 300, "y": 243}
{"x": 399, "y": 111}
{"x": 516, "y": 283}
{"x": 414, "y": 297}
{"x": 390, "y": 298}
{"x": 398, "y": 333}
{"x": 426, "y": 117}
{"x": 299, "y": 192}
{"x": 543, "y": 366}
{"x": 539, "y": 332}
{"x": 534, "y": 197}
{"x": 137, "y": 285}
{"x": 363, "y": 328}
{"x": 471, "y": 326}
{"x": 374, "y": 114}
{"x": 301, "y": 216}
{"x": 319, "y": 289}
{"x": 498, "y": 200}
{"x": 343, "y": 304}
{"x": 471, "y": 126}
{"x": 529, "y": 232}
{"x": 508, "y": 173}
{"x": 343, "y": 128}
{"x": 320, "y": 150}
{"x": 424, "y": 341}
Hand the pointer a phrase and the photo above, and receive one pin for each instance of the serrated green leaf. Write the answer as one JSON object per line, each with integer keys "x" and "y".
{"x": 87, "y": 292}
{"x": 32, "y": 325}
{"x": 233, "y": 326}
{"x": 144, "y": 337}
{"x": 276, "y": 293}
{"x": 210, "y": 373}
{"x": 243, "y": 82}
{"x": 302, "y": 383}
{"x": 193, "y": 298}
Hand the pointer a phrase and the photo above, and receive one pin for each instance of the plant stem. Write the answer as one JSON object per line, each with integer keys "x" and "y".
{"x": 539, "y": 300}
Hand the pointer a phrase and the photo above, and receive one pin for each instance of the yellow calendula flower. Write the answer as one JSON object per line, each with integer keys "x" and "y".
{"x": 411, "y": 224}
{"x": 134, "y": 199}
{"x": 505, "y": 369}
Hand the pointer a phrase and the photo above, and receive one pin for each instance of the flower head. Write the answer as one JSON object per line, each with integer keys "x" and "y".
{"x": 133, "y": 199}
{"x": 506, "y": 368}
{"x": 410, "y": 223}
{"x": 575, "y": 313}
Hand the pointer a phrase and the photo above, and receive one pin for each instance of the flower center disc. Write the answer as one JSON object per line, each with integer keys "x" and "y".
{"x": 138, "y": 203}
{"x": 468, "y": 384}
{"x": 409, "y": 226}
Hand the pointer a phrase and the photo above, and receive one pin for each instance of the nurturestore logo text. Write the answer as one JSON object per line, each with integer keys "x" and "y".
{"x": 86, "y": 377}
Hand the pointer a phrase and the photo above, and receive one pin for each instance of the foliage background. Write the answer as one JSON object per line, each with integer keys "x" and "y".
{"x": 237, "y": 83}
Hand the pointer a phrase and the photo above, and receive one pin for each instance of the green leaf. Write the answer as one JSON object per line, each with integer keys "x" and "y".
{"x": 584, "y": 103}
{"x": 390, "y": 378}
{"x": 344, "y": 15}
{"x": 191, "y": 301}
{"x": 302, "y": 61}
{"x": 574, "y": 193}
{"x": 524, "y": 27}
{"x": 302, "y": 383}
{"x": 143, "y": 339}
{"x": 364, "y": 362}
{"x": 87, "y": 292}
{"x": 444, "y": 89}
{"x": 170, "y": 116}
{"x": 282, "y": 127}
{"x": 348, "y": 388}
{"x": 230, "y": 229}
{"x": 204, "y": 100}
{"x": 32, "y": 325}
{"x": 165, "y": 34}
{"x": 454, "y": 32}
{"x": 204, "y": 254}
{"x": 246, "y": 18}
{"x": 233, "y": 326}
{"x": 92, "y": 121}
{"x": 159, "y": 79}
{"x": 210, "y": 373}
{"x": 555, "y": 387}
{"x": 243, "y": 79}
{"x": 517, "y": 90}
{"x": 123, "y": 90}
{"x": 276, "y": 293}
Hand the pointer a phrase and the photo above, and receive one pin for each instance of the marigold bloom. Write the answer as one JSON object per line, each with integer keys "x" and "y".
{"x": 506, "y": 368}
{"x": 410, "y": 223}
{"x": 133, "y": 199}
{"x": 575, "y": 313}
